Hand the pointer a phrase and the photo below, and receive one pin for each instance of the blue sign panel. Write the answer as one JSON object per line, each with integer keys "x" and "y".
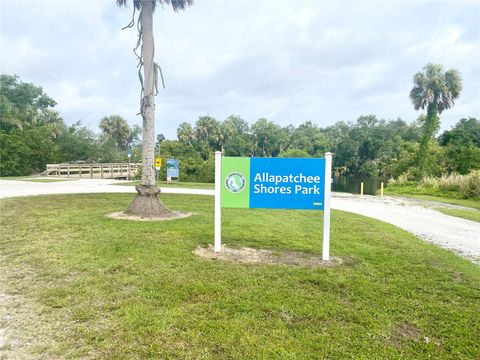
{"x": 285, "y": 183}
{"x": 172, "y": 168}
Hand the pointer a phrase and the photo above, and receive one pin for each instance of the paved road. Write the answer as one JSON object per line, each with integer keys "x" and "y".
{"x": 456, "y": 234}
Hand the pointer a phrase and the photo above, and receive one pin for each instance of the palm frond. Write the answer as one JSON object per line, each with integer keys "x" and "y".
{"x": 435, "y": 87}
{"x": 453, "y": 82}
{"x": 176, "y": 4}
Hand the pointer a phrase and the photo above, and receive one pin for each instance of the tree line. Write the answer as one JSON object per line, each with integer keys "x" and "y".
{"x": 366, "y": 147}
{"x": 33, "y": 134}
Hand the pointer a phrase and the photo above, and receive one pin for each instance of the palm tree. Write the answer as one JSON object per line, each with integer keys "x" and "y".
{"x": 115, "y": 127}
{"x": 207, "y": 135}
{"x": 436, "y": 91}
{"x": 185, "y": 133}
{"x": 147, "y": 204}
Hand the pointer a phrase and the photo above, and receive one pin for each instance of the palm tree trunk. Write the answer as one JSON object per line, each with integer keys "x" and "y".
{"x": 430, "y": 127}
{"x": 148, "y": 101}
{"x": 146, "y": 203}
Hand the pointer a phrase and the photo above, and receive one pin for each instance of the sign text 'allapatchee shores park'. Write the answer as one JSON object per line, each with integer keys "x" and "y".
{"x": 273, "y": 183}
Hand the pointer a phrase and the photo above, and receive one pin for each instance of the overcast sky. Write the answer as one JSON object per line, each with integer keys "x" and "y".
{"x": 289, "y": 61}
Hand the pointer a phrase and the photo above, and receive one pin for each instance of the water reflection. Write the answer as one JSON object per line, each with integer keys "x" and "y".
{"x": 350, "y": 184}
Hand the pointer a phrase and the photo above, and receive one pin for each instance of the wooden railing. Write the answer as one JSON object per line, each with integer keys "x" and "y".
{"x": 93, "y": 171}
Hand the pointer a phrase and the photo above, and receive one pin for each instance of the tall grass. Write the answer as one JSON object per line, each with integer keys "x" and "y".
{"x": 468, "y": 186}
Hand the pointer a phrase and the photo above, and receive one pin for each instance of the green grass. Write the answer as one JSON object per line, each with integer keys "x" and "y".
{"x": 475, "y": 204}
{"x": 175, "y": 184}
{"x": 473, "y": 215}
{"x": 113, "y": 289}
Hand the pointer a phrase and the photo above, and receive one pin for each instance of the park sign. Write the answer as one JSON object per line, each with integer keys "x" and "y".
{"x": 172, "y": 168}
{"x": 273, "y": 183}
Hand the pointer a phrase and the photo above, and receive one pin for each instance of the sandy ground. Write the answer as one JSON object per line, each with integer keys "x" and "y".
{"x": 261, "y": 256}
{"x": 418, "y": 217}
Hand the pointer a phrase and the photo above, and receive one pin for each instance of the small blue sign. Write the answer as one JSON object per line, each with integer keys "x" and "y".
{"x": 287, "y": 183}
{"x": 172, "y": 168}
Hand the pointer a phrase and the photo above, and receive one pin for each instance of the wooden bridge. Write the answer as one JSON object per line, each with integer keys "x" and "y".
{"x": 93, "y": 171}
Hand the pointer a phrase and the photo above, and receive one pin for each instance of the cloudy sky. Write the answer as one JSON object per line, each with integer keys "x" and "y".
{"x": 288, "y": 61}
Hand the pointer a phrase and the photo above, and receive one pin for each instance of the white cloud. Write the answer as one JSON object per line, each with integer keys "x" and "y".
{"x": 288, "y": 61}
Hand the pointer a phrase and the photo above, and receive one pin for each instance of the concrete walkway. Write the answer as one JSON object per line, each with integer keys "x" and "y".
{"x": 419, "y": 218}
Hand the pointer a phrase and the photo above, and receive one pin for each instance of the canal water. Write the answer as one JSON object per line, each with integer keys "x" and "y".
{"x": 350, "y": 184}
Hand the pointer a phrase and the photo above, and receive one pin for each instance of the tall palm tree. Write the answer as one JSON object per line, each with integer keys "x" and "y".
{"x": 436, "y": 91}
{"x": 147, "y": 204}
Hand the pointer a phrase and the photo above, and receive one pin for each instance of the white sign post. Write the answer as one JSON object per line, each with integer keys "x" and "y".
{"x": 326, "y": 208}
{"x": 217, "y": 246}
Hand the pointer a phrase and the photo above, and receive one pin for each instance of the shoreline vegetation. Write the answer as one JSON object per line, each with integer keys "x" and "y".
{"x": 454, "y": 187}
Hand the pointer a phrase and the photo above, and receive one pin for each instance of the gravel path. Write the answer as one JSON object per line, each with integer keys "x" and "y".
{"x": 418, "y": 217}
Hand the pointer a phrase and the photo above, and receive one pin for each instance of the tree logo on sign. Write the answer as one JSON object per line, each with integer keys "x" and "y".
{"x": 235, "y": 182}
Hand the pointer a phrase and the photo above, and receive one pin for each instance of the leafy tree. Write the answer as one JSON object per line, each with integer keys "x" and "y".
{"x": 147, "y": 204}
{"x": 294, "y": 153}
{"x": 310, "y": 138}
{"x": 237, "y": 140}
{"x": 465, "y": 132}
{"x": 23, "y": 152}
{"x": 435, "y": 90}
{"x": 77, "y": 142}
{"x": 28, "y": 128}
{"x": 23, "y": 105}
{"x": 269, "y": 138}
{"x": 462, "y": 144}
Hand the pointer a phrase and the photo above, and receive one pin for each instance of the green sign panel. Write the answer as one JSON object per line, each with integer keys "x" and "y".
{"x": 235, "y": 187}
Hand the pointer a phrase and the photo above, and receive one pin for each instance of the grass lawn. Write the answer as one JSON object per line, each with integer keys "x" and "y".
{"x": 114, "y": 289}
{"x": 175, "y": 184}
{"x": 431, "y": 195}
{"x": 473, "y": 215}
{"x": 475, "y": 204}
